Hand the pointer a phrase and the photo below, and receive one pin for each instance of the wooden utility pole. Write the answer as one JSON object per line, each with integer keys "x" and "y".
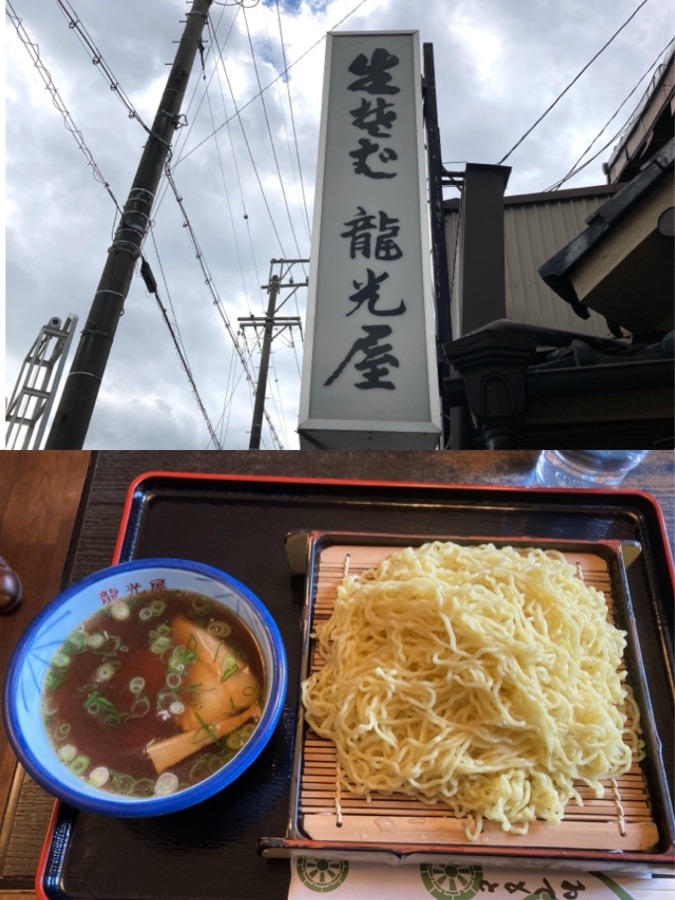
{"x": 269, "y": 322}
{"x": 76, "y": 407}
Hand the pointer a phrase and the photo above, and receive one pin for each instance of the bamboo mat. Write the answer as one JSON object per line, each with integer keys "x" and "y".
{"x": 622, "y": 820}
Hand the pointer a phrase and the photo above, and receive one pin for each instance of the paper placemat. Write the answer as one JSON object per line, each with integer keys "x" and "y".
{"x": 348, "y": 880}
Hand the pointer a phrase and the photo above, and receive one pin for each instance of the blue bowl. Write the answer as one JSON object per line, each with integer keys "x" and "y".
{"x": 31, "y": 661}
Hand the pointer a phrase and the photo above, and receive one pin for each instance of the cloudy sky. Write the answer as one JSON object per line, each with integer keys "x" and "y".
{"x": 244, "y": 166}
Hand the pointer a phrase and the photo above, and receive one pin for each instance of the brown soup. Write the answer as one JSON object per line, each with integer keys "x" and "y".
{"x": 153, "y": 693}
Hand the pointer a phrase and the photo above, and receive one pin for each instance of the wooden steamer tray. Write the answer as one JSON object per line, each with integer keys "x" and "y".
{"x": 226, "y": 847}
{"x": 330, "y": 820}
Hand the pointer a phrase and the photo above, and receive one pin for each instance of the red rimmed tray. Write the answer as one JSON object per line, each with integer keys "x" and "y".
{"x": 212, "y": 851}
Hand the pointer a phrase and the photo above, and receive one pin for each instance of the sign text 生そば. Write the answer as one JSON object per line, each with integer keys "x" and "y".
{"x": 370, "y": 378}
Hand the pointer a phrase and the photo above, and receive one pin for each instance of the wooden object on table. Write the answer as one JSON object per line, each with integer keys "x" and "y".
{"x": 40, "y": 496}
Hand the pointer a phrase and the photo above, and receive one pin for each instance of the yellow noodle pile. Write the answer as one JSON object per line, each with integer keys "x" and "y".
{"x": 484, "y": 678}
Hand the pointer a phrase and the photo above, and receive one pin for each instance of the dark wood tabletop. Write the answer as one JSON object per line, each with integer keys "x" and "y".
{"x": 61, "y": 512}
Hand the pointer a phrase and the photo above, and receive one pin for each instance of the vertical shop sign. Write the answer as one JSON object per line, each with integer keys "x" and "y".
{"x": 369, "y": 377}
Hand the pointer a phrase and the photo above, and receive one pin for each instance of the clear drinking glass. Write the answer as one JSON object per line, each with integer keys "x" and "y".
{"x": 586, "y": 468}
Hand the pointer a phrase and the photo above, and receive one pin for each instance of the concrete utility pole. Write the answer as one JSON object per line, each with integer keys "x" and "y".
{"x": 73, "y": 415}
{"x": 269, "y": 322}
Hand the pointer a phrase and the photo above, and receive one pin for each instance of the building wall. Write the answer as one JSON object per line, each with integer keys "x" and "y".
{"x": 536, "y": 226}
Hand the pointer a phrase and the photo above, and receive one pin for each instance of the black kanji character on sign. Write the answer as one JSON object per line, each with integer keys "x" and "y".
{"x": 370, "y": 294}
{"x": 359, "y": 232}
{"x": 375, "y": 78}
{"x": 385, "y": 246}
{"x": 512, "y": 887}
{"x": 375, "y": 120}
{"x": 545, "y": 891}
{"x": 571, "y": 891}
{"x": 488, "y": 886}
{"x": 368, "y": 148}
{"x": 376, "y": 361}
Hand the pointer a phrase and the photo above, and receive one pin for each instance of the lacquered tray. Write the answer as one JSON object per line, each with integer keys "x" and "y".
{"x": 240, "y": 524}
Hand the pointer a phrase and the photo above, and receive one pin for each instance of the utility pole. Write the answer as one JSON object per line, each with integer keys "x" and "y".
{"x": 73, "y": 415}
{"x": 269, "y": 322}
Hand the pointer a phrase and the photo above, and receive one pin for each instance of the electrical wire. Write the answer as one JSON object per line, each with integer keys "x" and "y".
{"x": 246, "y": 364}
{"x": 250, "y": 152}
{"x": 272, "y": 145}
{"x": 240, "y": 109}
{"x": 293, "y": 128}
{"x": 152, "y": 288}
{"x": 577, "y": 167}
{"x": 221, "y": 168}
{"x": 98, "y": 60}
{"x": 34, "y": 52}
{"x": 574, "y": 80}
{"x": 234, "y": 156}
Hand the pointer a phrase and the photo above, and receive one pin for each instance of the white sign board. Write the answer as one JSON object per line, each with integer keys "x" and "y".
{"x": 370, "y": 379}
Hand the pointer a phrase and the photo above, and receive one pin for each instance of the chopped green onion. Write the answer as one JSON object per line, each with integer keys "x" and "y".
{"x": 122, "y": 783}
{"x": 167, "y": 783}
{"x": 229, "y": 668}
{"x": 208, "y": 729}
{"x": 238, "y": 738}
{"x": 221, "y": 629}
{"x": 140, "y": 707}
{"x": 162, "y": 630}
{"x": 99, "y": 776}
{"x": 201, "y": 604}
{"x": 80, "y": 764}
{"x": 160, "y": 644}
{"x": 106, "y": 671}
{"x": 144, "y": 787}
{"x": 77, "y": 641}
{"x": 67, "y": 753}
{"x": 119, "y": 610}
{"x": 165, "y": 698}
{"x": 95, "y": 640}
{"x": 173, "y": 679}
{"x": 176, "y": 708}
{"x": 137, "y": 684}
{"x": 60, "y": 660}
{"x": 145, "y": 613}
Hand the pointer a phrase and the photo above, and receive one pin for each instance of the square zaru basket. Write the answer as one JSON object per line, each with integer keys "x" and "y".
{"x": 630, "y": 825}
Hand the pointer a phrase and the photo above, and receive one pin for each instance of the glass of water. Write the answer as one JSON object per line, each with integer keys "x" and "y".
{"x": 586, "y": 468}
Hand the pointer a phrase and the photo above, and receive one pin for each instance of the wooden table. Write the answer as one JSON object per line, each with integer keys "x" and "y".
{"x": 61, "y": 512}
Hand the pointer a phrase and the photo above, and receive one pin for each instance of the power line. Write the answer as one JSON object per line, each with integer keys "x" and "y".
{"x": 151, "y": 285}
{"x": 235, "y": 163}
{"x": 248, "y": 147}
{"x": 97, "y": 58}
{"x": 218, "y": 303}
{"x": 293, "y": 128}
{"x": 576, "y": 167}
{"x": 269, "y": 132}
{"x": 574, "y": 80}
{"x": 227, "y": 198}
{"x": 34, "y": 52}
{"x": 240, "y": 109}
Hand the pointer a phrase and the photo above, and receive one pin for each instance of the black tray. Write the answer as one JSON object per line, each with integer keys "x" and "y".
{"x": 239, "y": 524}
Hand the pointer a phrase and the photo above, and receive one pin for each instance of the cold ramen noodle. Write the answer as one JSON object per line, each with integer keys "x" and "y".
{"x": 486, "y": 679}
{"x": 153, "y": 693}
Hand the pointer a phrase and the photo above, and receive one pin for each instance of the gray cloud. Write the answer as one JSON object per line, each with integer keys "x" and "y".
{"x": 498, "y": 66}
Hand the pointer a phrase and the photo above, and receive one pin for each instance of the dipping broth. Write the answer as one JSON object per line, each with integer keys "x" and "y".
{"x": 153, "y": 693}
